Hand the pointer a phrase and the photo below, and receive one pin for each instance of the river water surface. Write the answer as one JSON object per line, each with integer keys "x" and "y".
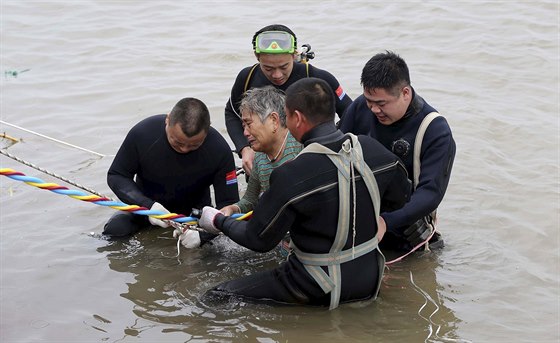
{"x": 84, "y": 72}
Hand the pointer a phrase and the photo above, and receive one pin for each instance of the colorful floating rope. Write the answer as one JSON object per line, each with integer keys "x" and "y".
{"x": 104, "y": 201}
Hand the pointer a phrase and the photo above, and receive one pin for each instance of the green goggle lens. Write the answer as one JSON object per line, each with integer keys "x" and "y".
{"x": 274, "y": 42}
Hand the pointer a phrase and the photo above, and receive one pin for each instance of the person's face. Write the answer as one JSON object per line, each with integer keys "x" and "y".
{"x": 259, "y": 134}
{"x": 387, "y": 108}
{"x": 181, "y": 142}
{"x": 276, "y": 67}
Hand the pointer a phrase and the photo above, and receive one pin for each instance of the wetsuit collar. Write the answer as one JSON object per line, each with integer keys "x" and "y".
{"x": 415, "y": 105}
{"x": 323, "y": 133}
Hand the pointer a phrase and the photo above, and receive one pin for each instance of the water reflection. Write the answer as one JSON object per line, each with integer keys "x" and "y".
{"x": 410, "y": 288}
{"x": 167, "y": 293}
{"x": 167, "y": 288}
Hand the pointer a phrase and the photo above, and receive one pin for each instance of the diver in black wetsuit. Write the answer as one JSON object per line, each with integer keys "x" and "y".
{"x": 334, "y": 238}
{"x": 275, "y": 49}
{"x": 392, "y": 112}
{"x": 167, "y": 163}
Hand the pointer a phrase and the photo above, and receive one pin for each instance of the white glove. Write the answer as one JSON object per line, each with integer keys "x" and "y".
{"x": 206, "y": 220}
{"x": 190, "y": 239}
{"x": 154, "y": 221}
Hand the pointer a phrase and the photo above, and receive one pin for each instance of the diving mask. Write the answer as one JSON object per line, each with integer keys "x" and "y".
{"x": 275, "y": 42}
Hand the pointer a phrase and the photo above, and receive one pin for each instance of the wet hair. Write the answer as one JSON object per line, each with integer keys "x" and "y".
{"x": 263, "y": 101}
{"x": 192, "y": 115}
{"x": 387, "y": 71}
{"x": 273, "y": 27}
{"x": 313, "y": 97}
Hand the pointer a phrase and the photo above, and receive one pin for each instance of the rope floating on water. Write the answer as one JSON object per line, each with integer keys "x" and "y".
{"x": 15, "y": 158}
{"x": 53, "y": 139}
{"x": 105, "y": 201}
{"x": 13, "y": 139}
{"x": 95, "y": 199}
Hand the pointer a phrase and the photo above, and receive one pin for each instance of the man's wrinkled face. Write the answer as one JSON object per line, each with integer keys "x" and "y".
{"x": 259, "y": 134}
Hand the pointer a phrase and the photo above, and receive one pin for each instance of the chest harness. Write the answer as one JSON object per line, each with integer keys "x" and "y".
{"x": 431, "y": 218}
{"x": 347, "y": 160}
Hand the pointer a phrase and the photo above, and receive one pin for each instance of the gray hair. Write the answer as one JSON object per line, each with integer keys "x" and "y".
{"x": 263, "y": 101}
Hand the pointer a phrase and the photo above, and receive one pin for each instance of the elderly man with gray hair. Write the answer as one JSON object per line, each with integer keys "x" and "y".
{"x": 264, "y": 125}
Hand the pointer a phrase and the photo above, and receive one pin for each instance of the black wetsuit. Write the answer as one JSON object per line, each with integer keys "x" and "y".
{"x": 258, "y": 79}
{"x": 303, "y": 198}
{"x": 436, "y": 156}
{"x": 147, "y": 169}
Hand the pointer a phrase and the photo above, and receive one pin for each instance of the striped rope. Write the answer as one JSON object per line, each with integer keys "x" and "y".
{"x": 43, "y": 170}
{"x": 173, "y": 218}
{"x": 96, "y": 199}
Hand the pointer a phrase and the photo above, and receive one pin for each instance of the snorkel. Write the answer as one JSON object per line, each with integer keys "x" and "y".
{"x": 306, "y": 54}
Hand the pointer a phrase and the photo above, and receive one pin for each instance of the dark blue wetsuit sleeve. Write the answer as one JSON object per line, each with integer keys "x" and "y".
{"x": 232, "y": 113}
{"x": 120, "y": 176}
{"x": 358, "y": 118}
{"x": 343, "y": 100}
{"x": 225, "y": 180}
{"x": 437, "y": 156}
